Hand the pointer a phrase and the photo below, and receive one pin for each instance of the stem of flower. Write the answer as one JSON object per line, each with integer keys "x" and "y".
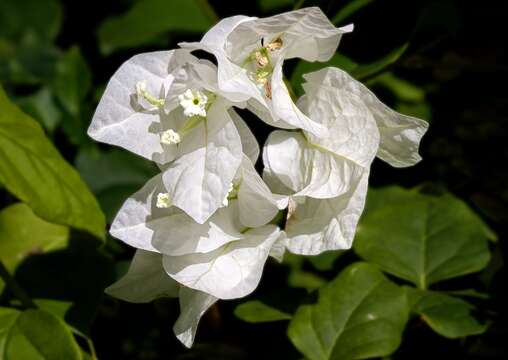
{"x": 16, "y": 289}
{"x": 208, "y": 10}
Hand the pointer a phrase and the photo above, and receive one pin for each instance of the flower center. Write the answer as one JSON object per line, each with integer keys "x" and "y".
{"x": 194, "y": 103}
{"x": 163, "y": 201}
{"x": 263, "y": 68}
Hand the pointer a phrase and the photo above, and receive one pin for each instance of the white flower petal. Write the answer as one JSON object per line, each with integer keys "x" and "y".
{"x": 307, "y": 170}
{"x": 250, "y": 146}
{"x": 319, "y": 225}
{"x": 199, "y": 179}
{"x": 230, "y": 272}
{"x": 193, "y": 304}
{"x": 400, "y": 135}
{"x": 136, "y": 220}
{"x": 256, "y": 203}
{"x": 145, "y": 280}
{"x": 306, "y": 33}
{"x": 119, "y": 119}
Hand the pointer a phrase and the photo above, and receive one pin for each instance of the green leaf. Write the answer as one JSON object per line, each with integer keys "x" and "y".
{"x": 73, "y": 80}
{"x": 349, "y": 9}
{"x": 448, "y": 316}
{"x": 359, "y": 315}
{"x": 422, "y": 238}
{"x": 42, "y": 107}
{"x": 325, "y": 261}
{"x": 258, "y": 312}
{"x": 121, "y": 174}
{"x": 34, "y": 335}
{"x": 367, "y": 70}
{"x": 22, "y": 233}
{"x": 148, "y": 19}
{"x": 32, "y": 169}
{"x": 269, "y": 6}
{"x": 304, "y": 67}
{"x": 42, "y": 18}
{"x": 402, "y": 89}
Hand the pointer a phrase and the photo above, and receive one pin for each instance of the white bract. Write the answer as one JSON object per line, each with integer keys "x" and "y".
{"x": 250, "y": 53}
{"x": 326, "y": 177}
{"x": 202, "y": 226}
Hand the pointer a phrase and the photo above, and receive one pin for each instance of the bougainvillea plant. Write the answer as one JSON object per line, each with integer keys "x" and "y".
{"x": 205, "y": 226}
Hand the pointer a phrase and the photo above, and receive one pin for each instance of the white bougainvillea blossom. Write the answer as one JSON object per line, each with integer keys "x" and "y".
{"x": 205, "y": 226}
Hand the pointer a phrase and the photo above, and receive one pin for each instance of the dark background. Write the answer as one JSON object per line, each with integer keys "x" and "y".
{"x": 457, "y": 55}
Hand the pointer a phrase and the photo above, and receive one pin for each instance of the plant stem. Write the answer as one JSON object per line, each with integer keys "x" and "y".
{"x": 16, "y": 289}
{"x": 208, "y": 10}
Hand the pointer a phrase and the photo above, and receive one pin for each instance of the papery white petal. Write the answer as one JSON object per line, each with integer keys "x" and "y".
{"x": 193, "y": 304}
{"x": 145, "y": 280}
{"x": 250, "y": 146}
{"x": 199, "y": 179}
{"x": 279, "y": 248}
{"x": 400, "y": 135}
{"x": 256, "y": 203}
{"x": 319, "y": 225}
{"x": 179, "y": 234}
{"x": 284, "y": 107}
{"x": 307, "y": 170}
{"x": 306, "y": 33}
{"x": 136, "y": 220}
{"x": 230, "y": 272}
{"x": 352, "y": 132}
{"x": 119, "y": 119}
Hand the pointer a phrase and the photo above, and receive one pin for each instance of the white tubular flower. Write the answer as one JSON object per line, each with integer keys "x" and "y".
{"x": 250, "y": 53}
{"x": 326, "y": 178}
{"x": 170, "y": 137}
{"x": 193, "y": 102}
{"x": 163, "y": 201}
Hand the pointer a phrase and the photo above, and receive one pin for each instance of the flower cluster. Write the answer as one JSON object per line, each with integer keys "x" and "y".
{"x": 204, "y": 227}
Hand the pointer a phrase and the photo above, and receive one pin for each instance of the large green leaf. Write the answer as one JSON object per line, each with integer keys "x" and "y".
{"x": 42, "y": 107}
{"x": 147, "y": 19}
{"x": 446, "y": 315}
{"x": 422, "y": 238}
{"x": 23, "y": 233}
{"x": 35, "y": 335}
{"x": 32, "y": 169}
{"x": 359, "y": 315}
{"x": 257, "y": 312}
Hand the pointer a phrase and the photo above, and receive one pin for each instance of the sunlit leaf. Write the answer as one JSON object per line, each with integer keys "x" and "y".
{"x": 22, "y": 233}
{"x": 422, "y": 238}
{"x": 35, "y": 334}
{"x": 448, "y": 316}
{"x": 150, "y": 18}
{"x": 258, "y": 312}
{"x": 359, "y": 315}
{"x": 32, "y": 169}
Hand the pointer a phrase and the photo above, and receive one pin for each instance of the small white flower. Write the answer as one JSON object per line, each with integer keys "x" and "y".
{"x": 163, "y": 201}
{"x": 193, "y": 102}
{"x": 170, "y": 137}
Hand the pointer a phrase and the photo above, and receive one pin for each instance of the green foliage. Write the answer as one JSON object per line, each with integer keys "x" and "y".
{"x": 430, "y": 238}
{"x": 258, "y": 312}
{"x": 360, "y": 314}
{"x": 349, "y": 9}
{"x": 42, "y": 107}
{"x": 447, "y": 315}
{"x": 23, "y": 233}
{"x": 270, "y": 6}
{"x": 33, "y": 170}
{"x": 148, "y": 19}
{"x": 35, "y": 334}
